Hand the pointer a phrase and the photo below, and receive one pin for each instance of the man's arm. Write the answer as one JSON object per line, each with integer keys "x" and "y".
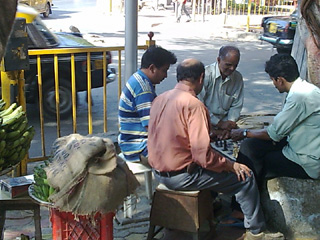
{"x": 238, "y": 134}
{"x": 143, "y": 105}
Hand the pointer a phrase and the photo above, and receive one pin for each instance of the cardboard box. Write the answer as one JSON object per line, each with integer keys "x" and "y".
{"x": 15, "y": 187}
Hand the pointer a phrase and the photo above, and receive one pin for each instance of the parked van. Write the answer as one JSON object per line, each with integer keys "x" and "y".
{"x": 42, "y": 6}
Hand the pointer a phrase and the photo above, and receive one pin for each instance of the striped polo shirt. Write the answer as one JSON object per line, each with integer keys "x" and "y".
{"x": 134, "y": 114}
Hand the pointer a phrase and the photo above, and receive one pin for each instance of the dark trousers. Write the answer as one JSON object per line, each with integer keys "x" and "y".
{"x": 266, "y": 160}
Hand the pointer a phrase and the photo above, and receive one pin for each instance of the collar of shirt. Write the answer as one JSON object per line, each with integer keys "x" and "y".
{"x": 218, "y": 74}
{"x": 183, "y": 87}
{"x": 146, "y": 78}
{"x": 296, "y": 85}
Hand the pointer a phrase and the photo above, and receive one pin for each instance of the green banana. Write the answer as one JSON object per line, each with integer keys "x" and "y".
{"x": 45, "y": 190}
{"x": 51, "y": 190}
{"x": 14, "y": 116}
{"x": 13, "y": 158}
{"x": 14, "y": 144}
{"x": 2, "y": 104}
{"x": 9, "y": 110}
{"x": 6, "y": 152}
{"x": 23, "y": 125}
{"x": 7, "y": 122}
{"x": 13, "y": 135}
{"x": 2, "y": 133}
{"x": 2, "y": 146}
{"x": 17, "y": 124}
{"x": 28, "y": 135}
{"x": 38, "y": 191}
{"x": 22, "y": 154}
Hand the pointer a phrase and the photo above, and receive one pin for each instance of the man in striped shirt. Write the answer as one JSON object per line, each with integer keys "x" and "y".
{"x": 136, "y": 99}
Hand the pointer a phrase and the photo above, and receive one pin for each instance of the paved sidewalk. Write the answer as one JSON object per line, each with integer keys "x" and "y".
{"x": 161, "y": 22}
{"x": 136, "y": 228}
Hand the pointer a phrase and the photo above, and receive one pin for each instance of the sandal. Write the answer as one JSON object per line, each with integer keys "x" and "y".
{"x": 235, "y": 222}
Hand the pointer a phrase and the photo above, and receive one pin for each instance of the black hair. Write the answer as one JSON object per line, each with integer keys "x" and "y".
{"x": 158, "y": 56}
{"x": 224, "y": 50}
{"x": 282, "y": 65}
{"x": 190, "y": 72}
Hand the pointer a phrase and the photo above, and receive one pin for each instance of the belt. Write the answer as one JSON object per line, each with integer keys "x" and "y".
{"x": 171, "y": 173}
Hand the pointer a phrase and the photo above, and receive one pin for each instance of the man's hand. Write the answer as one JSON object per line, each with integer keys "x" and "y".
{"x": 241, "y": 170}
{"x": 227, "y": 125}
{"x": 219, "y": 134}
{"x": 237, "y": 134}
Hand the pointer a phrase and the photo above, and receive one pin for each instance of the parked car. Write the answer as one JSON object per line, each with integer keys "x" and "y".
{"x": 40, "y": 37}
{"x": 42, "y": 6}
{"x": 280, "y": 30}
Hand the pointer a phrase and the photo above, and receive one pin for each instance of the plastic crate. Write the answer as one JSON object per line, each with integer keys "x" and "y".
{"x": 65, "y": 227}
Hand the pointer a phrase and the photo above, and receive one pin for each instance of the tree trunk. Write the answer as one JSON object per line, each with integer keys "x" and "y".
{"x": 305, "y": 50}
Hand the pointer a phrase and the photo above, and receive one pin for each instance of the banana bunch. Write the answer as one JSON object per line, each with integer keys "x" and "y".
{"x": 15, "y": 135}
{"x": 41, "y": 188}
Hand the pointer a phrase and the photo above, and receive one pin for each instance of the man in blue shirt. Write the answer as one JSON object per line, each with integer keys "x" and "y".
{"x": 136, "y": 99}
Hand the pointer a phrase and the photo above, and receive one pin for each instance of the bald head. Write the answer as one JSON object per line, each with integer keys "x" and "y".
{"x": 190, "y": 70}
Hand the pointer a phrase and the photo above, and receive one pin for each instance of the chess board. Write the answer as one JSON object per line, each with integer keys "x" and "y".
{"x": 227, "y": 148}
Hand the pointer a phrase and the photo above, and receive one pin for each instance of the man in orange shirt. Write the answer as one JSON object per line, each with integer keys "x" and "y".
{"x": 181, "y": 155}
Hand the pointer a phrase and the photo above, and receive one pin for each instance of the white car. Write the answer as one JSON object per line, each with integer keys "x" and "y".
{"x": 42, "y": 6}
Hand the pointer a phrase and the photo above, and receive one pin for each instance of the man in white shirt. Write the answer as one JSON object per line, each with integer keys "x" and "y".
{"x": 289, "y": 147}
{"x": 222, "y": 91}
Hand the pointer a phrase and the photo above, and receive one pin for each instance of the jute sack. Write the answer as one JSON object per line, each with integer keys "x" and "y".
{"x": 88, "y": 176}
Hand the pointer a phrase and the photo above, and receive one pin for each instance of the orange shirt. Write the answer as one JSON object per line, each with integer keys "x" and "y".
{"x": 178, "y": 132}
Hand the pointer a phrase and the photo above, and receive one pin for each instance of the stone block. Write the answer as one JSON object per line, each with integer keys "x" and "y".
{"x": 292, "y": 206}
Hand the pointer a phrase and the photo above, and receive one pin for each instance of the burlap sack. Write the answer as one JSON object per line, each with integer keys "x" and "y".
{"x": 88, "y": 176}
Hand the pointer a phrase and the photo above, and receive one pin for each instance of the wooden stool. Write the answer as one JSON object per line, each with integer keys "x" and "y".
{"x": 22, "y": 203}
{"x": 181, "y": 210}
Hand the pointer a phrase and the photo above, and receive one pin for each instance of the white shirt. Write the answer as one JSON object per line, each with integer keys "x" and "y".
{"x": 223, "y": 98}
{"x": 299, "y": 121}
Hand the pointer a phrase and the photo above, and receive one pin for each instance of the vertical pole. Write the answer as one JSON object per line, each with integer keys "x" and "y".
{"x": 22, "y": 102}
{"x": 248, "y": 16}
{"x": 110, "y": 6}
{"x": 194, "y": 3}
{"x": 176, "y": 7}
{"x": 202, "y": 9}
{"x": 131, "y": 29}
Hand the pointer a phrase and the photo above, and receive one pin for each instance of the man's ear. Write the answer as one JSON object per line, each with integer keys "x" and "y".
{"x": 281, "y": 80}
{"x": 201, "y": 78}
{"x": 152, "y": 68}
{"x": 218, "y": 59}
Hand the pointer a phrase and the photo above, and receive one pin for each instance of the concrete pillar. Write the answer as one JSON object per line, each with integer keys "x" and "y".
{"x": 131, "y": 37}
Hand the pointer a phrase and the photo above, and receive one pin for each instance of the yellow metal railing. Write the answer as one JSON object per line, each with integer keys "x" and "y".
{"x": 40, "y": 54}
{"x": 246, "y": 8}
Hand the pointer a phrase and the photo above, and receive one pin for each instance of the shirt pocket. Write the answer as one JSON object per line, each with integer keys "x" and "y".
{"x": 227, "y": 101}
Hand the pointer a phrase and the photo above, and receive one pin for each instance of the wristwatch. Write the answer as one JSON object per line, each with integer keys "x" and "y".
{"x": 245, "y": 131}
